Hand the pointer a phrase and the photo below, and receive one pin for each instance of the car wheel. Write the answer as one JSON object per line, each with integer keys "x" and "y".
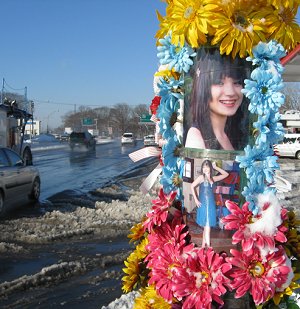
{"x": 36, "y": 190}
{"x": 1, "y": 203}
{"x": 27, "y": 156}
{"x": 298, "y": 155}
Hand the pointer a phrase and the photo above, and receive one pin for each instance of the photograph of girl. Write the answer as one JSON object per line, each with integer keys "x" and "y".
{"x": 206, "y": 215}
{"x": 216, "y": 111}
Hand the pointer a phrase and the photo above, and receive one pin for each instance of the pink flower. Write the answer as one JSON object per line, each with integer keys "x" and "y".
{"x": 159, "y": 211}
{"x": 163, "y": 264}
{"x": 260, "y": 276}
{"x": 238, "y": 217}
{"x": 201, "y": 279}
{"x": 242, "y": 220}
{"x": 173, "y": 232}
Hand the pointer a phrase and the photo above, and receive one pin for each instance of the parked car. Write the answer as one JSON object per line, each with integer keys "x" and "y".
{"x": 149, "y": 140}
{"x": 82, "y": 140}
{"x": 17, "y": 181}
{"x": 128, "y": 138}
{"x": 290, "y": 146}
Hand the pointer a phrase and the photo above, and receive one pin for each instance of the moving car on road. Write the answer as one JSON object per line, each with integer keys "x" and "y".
{"x": 149, "y": 140}
{"x": 17, "y": 180}
{"x": 128, "y": 138}
{"x": 82, "y": 140}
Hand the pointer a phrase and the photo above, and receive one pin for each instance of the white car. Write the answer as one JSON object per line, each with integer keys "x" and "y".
{"x": 128, "y": 138}
{"x": 18, "y": 181}
{"x": 290, "y": 146}
{"x": 149, "y": 140}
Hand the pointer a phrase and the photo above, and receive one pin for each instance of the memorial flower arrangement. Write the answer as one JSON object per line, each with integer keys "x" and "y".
{"x": 167, "y": 268}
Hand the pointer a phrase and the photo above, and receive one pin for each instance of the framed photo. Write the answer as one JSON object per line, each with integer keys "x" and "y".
{"x": 216, "y": 128}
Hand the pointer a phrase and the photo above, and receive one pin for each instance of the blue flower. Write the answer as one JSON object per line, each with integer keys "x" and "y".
{"x": 263, "y": 92}
{"x": 270, "y": 129}
{"x": 168, "y": 151}
{"x": 176, "y": 57}
{"x": 167, "y": 178}
{"x": 170, "y": 88}
{"x": 268, "y": 54}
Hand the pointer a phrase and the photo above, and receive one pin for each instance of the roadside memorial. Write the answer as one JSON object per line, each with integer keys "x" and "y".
{"x": 217, "y": 235}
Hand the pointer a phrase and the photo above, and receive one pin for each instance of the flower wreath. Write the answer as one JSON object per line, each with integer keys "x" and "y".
{"x": 166, "y": 267}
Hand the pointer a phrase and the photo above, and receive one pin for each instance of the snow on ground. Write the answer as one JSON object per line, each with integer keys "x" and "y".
{"x": 104, "y": 219}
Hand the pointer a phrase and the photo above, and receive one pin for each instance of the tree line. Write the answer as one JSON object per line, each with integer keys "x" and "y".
{"x": 110, "y": 121}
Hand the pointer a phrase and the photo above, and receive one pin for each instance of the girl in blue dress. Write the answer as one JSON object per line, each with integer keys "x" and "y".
{"x": 205, "y": 201}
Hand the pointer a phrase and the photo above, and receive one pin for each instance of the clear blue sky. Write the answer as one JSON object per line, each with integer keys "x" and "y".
{"x": 79, "y": 52}
{"x": 83, "y": 52}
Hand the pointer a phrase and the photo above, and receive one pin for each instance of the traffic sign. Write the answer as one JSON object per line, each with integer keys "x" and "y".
{"x": 87, "y": 122}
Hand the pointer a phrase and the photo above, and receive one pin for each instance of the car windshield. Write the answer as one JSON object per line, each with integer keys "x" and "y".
{"x": 127, "y": 135}
{"x": 77, "y": 135}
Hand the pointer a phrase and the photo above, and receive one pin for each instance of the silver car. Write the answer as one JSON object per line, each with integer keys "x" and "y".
{"x": 17, "y": 181}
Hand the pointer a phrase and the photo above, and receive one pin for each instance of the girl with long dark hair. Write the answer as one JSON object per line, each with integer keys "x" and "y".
{"x": 218, "y": 111}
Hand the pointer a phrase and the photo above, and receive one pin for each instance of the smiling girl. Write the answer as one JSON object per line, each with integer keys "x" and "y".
{"x": 218, "y": 110}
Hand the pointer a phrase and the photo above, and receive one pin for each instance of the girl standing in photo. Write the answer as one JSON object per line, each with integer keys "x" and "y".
{"x": 205, "y": 201}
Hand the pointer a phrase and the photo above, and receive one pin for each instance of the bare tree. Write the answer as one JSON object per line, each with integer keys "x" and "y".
{"x": 292, "y": 97}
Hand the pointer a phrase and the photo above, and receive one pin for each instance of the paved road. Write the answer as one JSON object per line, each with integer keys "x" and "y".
{"x": 62, "y": 169}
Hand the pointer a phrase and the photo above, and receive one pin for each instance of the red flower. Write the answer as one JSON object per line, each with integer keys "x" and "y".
{"x": 154, "y": 105}
{"x": 159, "y": 212}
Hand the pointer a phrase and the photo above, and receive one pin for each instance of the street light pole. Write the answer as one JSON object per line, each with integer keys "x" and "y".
{"x": 48, "y": 119}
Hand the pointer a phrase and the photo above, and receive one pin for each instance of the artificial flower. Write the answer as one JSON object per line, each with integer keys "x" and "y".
{"x": 177, "y": 57}
{"x": 164, "y": 263}
{"x": 141, "y": 249}
{"x": 282, "y": 26}
{"x": 189, "y": 21}
{"x": 288, "y": 291}
{"x": 202, "y": 278}
{"x": 171, "y": 232}
{"x": 132, "y": 271}
{"x": 167, "y": 178}
{"x": 264, "y": 91}
{"x": 270, "y": 130}
{"x": 159, "y": 211}
{"x": 154, "y": 104}
{"x": 149, "y": 299}
{"x": 260, "y": 276}
{"x": 137, "y": 232}
{"x": 268, "y": 54}
{"x": 237, "y": 31}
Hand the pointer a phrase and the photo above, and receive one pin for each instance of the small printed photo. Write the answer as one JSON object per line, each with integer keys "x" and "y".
{"x": 207, "y": 184}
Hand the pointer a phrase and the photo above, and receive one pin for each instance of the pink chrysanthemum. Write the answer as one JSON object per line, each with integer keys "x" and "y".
{"x": 173, "y": 232}
{"x": 159, "y": 212}
{"x": 202, "y": 279}
{"x": 242, "y": 220}
{"x": 163, "y": 264}
{"x": 260, "y": 276}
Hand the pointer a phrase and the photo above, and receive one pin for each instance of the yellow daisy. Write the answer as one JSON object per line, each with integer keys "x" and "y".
{"x": 150, "y": 300}
{"x": 285, "y": 3}
{"x": 283, "y": 28}
{"x": 189, "y": 21}
{"x": 164, "y": 27}
{"x": 288, "y": 291}
{"x": 141, "y": 251}
{"x": 132, "y": 270}
{"x": 237, "y": 29}
{"x": 166, "y": 74}
{"x": 137, "y": 232}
